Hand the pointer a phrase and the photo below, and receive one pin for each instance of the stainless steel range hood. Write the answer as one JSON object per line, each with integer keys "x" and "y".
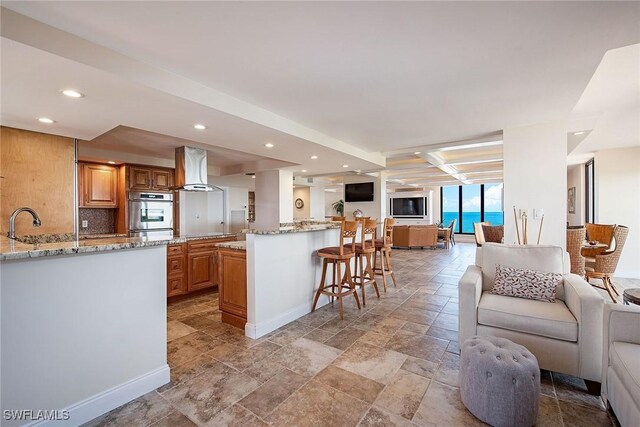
{"x": 191, "y": 170}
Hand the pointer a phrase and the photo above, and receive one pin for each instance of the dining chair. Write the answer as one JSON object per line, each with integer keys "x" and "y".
{"x": 604, "y": 265}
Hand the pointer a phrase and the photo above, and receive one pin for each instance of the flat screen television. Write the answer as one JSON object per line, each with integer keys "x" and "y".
{"x": 358, "y": 192}
{"x": 408, "y": 207}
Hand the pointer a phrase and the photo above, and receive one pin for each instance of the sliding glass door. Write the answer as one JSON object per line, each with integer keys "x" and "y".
{"x": 450, "y": 206}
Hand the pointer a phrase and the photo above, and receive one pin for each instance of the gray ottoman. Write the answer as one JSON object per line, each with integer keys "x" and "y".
{"x": 499, "y": 381}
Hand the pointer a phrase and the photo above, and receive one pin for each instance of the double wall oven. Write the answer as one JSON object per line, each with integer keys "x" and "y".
{"x": 150, "y": 214}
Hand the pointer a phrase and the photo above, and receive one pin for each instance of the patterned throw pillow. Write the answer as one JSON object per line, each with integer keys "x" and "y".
{"x": 493, "y": 233}
{"x": 524, "y": 283}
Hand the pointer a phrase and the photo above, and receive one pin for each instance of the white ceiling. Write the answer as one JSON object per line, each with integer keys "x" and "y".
{"x": 609, "y": 106}
{"x": 377, "y": 75}
{"x": 351, "y": 82}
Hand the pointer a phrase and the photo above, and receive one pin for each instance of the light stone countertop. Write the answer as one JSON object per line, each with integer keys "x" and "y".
{"x": 65, "y": 244}
{"x": 13, "y": 249}
{"x": 239, "y": 245}
{"x": 295, "y": 229}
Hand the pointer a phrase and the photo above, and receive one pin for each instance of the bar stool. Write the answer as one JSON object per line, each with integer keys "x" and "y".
{"x": 338, "y": 255}
{"x": 365, "y": 250}
{"x": 383, "y": 248}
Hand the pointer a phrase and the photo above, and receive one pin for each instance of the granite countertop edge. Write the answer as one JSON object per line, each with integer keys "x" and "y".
{"x": 15, "y": 250}
{"x": 290, "y": 230}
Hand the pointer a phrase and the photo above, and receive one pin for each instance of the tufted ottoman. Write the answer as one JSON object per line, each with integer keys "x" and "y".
{"x": 499, "y": 381}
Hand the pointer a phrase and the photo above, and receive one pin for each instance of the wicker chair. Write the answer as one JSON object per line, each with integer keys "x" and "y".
{"x": 605, "y": 264}
{"x": 602, "y": 233}
{"x": 575, "y": 239}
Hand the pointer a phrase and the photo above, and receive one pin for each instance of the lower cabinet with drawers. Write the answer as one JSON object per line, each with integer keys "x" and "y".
{"x": 193, "y": 266}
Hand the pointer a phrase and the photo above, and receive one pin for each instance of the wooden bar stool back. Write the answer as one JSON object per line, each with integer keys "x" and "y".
{"x": 365, "y": 250}
{"x": 342, "y": 284}
{"x": 383, "y": 249}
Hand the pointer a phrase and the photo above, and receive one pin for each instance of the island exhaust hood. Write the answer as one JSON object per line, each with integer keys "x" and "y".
{"x": 191, "y": 170}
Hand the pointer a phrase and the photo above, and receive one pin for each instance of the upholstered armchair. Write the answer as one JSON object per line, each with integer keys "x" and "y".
{"x": 565, "y": 336}
{"x": 621, "y": 362}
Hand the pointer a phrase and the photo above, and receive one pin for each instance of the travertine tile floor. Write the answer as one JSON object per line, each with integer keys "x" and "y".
{"x": 393, "y": 363}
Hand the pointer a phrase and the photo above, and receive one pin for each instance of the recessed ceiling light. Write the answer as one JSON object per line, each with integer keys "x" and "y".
{"x": 578, "y": 133}
{"x": 72, "y": 93}
{"x": 46, "y": 120}
{"x": 199, "y": 126}
{"x": 345, "y": 166}
{"x": 111, "y": 162}
{"x": 314, "y": 157}
{"x": 417, "y": 152}
{"x": 303, "y": 170}
{"x": 268, "y": 145}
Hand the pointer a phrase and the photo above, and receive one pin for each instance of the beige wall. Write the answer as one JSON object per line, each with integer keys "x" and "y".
{"x": 618, "y": 201}
{"x": 37, "y": 171}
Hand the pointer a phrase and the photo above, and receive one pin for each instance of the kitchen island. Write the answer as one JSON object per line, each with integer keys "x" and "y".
{"x": 283, "y": 272}
{"x": 83, "y": 324}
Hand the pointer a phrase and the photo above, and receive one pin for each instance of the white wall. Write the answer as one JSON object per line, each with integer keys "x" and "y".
{"x": 618, "y": 201}
{"x": 329, "y": 199}
{"x": 575, "y": 178}
{"x": 76, "y": 327}
{"x": 302, "y": 193}
{"x": 201, "y": 212}
{"x": 274, "y": 198}
{"x": 535, "y": 176}
{"x": 316, "y": 202}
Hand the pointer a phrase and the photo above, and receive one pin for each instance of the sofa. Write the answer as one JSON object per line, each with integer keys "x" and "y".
{"x": 621, "y": 362}
{"x": 411, "y": 236}
{"x": 565, "y": 336}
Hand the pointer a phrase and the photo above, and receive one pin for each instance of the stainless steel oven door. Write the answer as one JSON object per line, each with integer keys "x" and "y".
{"x": 150, "y": 215}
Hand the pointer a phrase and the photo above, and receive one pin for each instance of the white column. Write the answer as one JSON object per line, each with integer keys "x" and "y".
{"x": 535, "y": 177}
{"x": 316, "y": 202}
{"x": 274, "y": 198}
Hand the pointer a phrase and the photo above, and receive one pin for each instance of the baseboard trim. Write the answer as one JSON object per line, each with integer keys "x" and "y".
{"x": 103, "y": 402}
{"x": 259, "y": 330}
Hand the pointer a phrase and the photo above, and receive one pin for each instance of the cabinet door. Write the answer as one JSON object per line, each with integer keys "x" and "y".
{"x": 176, "y": 285}
{"x": 233, "y": 283}
{"x": 201, "y": 270}
{"x": 139, "y": 178}
{"x": 162, "y": 179}
{"x": 99, "y": 186}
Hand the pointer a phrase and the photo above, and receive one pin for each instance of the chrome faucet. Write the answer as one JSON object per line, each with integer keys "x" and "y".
{"x": 12, "y": 221}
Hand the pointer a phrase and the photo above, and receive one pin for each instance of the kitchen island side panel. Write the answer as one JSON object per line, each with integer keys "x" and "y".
{"x": 85, "y": 332}
{"x": 283, "y": 272}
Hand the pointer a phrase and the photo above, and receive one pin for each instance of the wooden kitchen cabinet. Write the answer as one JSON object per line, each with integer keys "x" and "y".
{"x": 232, "y": 272}
{"x": 193, "y": 266}
{"x": 149, "y": 178}
{"x": 98, "y": 185}
{"x": 176, "y": 277}
{"x": 201, "y": 270}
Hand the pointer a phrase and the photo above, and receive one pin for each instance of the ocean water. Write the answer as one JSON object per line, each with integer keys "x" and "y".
{"x": 468, "y": 218}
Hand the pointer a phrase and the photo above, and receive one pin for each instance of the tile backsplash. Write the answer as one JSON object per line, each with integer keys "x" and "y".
{"x": 100, "y": 221}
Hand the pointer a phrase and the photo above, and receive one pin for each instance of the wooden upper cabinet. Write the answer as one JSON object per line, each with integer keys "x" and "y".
{"x": 139, "y": 178}
{"x": 143, "y": 178}
{"x": 162, "y": 179}
{"x": 99, "y": 186}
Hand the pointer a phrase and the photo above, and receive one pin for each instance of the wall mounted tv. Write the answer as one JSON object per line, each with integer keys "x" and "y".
{"x": 358, "y": 192}
{"x": 408, "y": 207}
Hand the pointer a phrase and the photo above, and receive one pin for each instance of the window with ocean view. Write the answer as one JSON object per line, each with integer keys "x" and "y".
{"x": 471, "y": 203}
